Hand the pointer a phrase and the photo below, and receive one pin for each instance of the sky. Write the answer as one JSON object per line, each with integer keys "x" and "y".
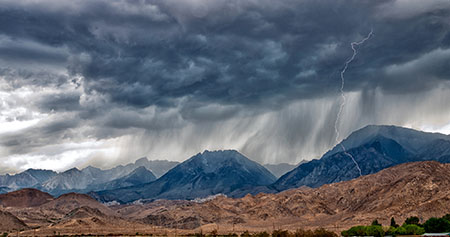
{"x": 106, "y": 82}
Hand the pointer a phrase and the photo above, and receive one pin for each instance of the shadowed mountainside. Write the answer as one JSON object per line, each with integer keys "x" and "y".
{"x": 374, "y": 148}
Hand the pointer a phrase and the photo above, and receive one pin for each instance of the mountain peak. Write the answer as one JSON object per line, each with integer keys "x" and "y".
{"x": 211, "y": 161}
{"x": 141, "y": 161}
{"x": 204, "y": 174}
{"x": 73, "y": 170}
{"x": 412, "y": 140}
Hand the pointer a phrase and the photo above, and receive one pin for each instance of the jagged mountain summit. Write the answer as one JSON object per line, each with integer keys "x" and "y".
{"x": 207, "y": 173}
{"x": 93, "y": 179}
{"x": 26, "y": 179}
{"x": 374, "y": 148}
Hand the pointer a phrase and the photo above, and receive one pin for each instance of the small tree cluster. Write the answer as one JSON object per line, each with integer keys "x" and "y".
{"x": 378, "y": 231}
{"x": 437, "y": 225}
{"x": 298, "y": 233}
{"x": 371, "y": 230}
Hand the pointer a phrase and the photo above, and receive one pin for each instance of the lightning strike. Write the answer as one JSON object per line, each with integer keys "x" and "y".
{"x": 343, "y": 98}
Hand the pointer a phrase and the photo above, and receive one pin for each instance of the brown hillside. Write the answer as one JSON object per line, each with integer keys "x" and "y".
{"x": 28, "y": 197}
{"x": 68, "y": 202}
{"x": 53, "y": 211}
{"x": 419, "y": 188}
{"x": 9, "y": 222}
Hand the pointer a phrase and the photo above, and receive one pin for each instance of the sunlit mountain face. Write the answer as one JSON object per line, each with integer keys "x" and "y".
{"x": 103, "y": 83}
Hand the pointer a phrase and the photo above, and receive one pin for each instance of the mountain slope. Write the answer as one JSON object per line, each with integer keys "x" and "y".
{"x": 157, "y": 167}
{"x": 70, "y": 201}
{"x": 9, "y": 222}
{"x": 413, "y": 189}
{"x": 374, "y": 148}
{"x": 204, "y": 174}
{"x": 25, "y": 198}
{"x": 140, "y": 175}
{"x": 411, "y": 140}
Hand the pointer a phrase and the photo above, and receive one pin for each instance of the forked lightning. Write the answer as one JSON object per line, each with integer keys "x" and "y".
{"x": 341, "y": 107}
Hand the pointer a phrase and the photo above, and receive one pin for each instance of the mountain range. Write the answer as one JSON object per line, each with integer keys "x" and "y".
{"x": 369, "y": 150}
{"x": 411, "y": 189}
{"x": 202, "y": 175}
{"x": 373, "y": 148}
{"x": 87, "y": 179}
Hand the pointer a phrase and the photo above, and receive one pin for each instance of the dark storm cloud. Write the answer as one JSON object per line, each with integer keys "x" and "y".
{"x": 112, "y": 68}
{"x": 150, "y": 52}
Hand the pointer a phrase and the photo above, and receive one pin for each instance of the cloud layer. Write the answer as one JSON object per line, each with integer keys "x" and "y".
{"x": 105, "y": 82}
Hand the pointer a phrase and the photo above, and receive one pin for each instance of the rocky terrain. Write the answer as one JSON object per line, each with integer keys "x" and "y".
{"x": 418, "y": 188}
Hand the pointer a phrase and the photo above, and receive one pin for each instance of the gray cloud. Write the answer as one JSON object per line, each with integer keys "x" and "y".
{"x": 170, "y": 78}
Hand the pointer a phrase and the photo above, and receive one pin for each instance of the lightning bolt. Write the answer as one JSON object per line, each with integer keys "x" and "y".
{"x": 343, "y": 98}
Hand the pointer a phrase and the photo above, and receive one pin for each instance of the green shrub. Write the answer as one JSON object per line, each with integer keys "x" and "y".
{"x": 375, "y": 230}
{"x": 447, "y": 217}
{"x": 391, "y": 231}
{"x": 413, "y": 230}
{"x": 357, "y": 231}
{"x": 437, "y": 225}
{"x": 413, "y": 220}
{"x": 400, "y": 231}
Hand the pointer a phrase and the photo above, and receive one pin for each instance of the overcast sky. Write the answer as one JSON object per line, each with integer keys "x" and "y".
{"x": 106, "y": 82}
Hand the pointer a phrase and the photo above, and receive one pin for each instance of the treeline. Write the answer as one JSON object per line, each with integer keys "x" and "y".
{"x": 411, "y": 226}
{"x": 276, "y": 233}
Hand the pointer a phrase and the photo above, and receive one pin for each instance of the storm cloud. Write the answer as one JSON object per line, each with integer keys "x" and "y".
{"x": 108, "y": 81}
